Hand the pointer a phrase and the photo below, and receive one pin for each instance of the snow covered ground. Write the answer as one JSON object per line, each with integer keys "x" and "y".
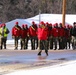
{"x": 68, "y": 68}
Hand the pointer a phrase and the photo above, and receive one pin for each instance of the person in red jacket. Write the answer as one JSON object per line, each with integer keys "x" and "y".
{"x": 27, "y": 35}
{"x": 16, "y": 33}
{"x": 33, "y": 35}
{"x": 23, "y": 37}
{"x": 61, "y": 37}
{"x": 55, "y": 33}
{"x": 42, "y": 37}
{"x": 50, "y": 36}
{"x": 67, "y": 36}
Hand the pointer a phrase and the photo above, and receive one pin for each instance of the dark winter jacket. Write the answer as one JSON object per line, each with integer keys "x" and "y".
{"x": 73, "y": 31}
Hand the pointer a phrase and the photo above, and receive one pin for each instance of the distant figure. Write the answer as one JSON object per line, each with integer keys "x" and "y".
{"x": 55, "y": 33}
{"x": 16, "y": 33}
{"x": 73, "y": 34}
{"x": 33, "y": 35}
{"x": 27, "y": 36}
{"x": 61, "y": 37}
{"x": 42, "y": 37}
{"x": 4, "y": 35}
{"x": 24, "y": 40}
{"x": 50, "y": 36}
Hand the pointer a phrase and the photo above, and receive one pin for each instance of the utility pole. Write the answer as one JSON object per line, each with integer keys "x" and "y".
{"x": 63, "y": 12}
{"x": 39, "y": 15}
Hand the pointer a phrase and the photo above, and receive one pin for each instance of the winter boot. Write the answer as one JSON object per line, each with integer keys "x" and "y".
{"x": 39, "y": 53}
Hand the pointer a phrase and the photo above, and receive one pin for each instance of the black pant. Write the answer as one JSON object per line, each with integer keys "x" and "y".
{"x": 16, "y": 42}
{"x": 26, "y": 42}
{"x": 3, "y": 42}
{"x": 44, "y": 44}
{"x": 33, "y": 42}
{"x": 22, "y": 43}
{"x": 61, "y": 42}
{"x": 55, "y": 40}
{"x": 50, "y": 43}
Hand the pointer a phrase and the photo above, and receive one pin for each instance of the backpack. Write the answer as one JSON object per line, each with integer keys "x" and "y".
{"x": 7, "y": 31}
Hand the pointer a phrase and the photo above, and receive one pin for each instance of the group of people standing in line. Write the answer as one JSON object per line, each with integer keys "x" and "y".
{"x": 44, "y": 36}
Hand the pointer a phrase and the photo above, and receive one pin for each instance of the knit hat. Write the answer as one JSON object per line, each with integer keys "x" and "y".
{"x": 33, "y": 22}
{"x": 3, "y": 24}
{"x": 16, "y": 23}
{"x": 23, "y": 26}
{"x": 42, "y": 23}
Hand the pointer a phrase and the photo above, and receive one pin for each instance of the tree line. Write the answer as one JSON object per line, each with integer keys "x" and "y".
{"x": 12, "y": 9}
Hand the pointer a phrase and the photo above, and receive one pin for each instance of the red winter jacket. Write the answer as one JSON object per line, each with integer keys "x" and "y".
{"x": 61, "y": 32}
{"x": 24, "y": 33}
{"x": 42, "y": 33}
{"x": 67, "y": 33}
{"x": 55, "y": 32}
{"x": 32, "y": 31}
{"x": 50, "y": 32}
{"x": 16, "y": 31}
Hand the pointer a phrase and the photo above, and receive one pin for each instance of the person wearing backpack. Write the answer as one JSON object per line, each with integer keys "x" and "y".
{"x": 4, "y": 35}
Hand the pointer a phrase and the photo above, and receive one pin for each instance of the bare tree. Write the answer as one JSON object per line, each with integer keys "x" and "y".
{"x": 12, "y": 9}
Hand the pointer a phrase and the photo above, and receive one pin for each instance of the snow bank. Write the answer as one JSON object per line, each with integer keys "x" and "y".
{"x": 61, "y": 69}
{"x": 51, "y": 18}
